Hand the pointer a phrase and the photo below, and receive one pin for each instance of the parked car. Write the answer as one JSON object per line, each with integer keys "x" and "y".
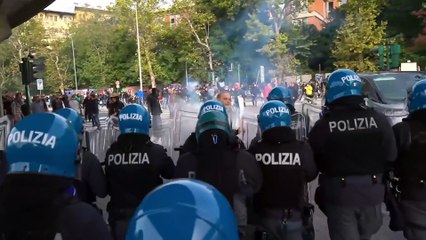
{"x": 387, "y": 92}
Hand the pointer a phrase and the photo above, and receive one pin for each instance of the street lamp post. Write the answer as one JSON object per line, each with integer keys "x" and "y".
{"x": 75, "y": 69}
{"x": 139, "y": 48}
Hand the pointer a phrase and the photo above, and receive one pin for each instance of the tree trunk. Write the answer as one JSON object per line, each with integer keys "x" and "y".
{"x": 61, "y": 78}
{"x": 150, "y": 70}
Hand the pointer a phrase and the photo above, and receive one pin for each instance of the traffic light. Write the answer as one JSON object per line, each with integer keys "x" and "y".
{"x": 26, "y": 71}
{"x": 395, "y": 51}
{"x": 381, "y": 51}
{"x": 31, "y": 69}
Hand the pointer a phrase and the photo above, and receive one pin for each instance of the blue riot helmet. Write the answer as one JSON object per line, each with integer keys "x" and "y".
{"x": 274, "y": 114}
{"x": 212, "y": 120}
{"x": 282, "y": 94}
{"x": 134, "y": 118}
{"x": 343, "y": 83}
{"x": 73, "y": 118}
{"x": 42, "y": 143}
{"x": 417, "y": 97}
{"x": 212, "y": 105}
{"x": 183, "y": 209}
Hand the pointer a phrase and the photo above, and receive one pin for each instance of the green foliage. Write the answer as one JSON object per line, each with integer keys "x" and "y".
{"x": 176, "y": 50}
{"x": 121, "y": 57}
{"x": 401, "y": 20}
{"x": 300, "y": 42}
{"x": 269, "y": 25}
{"x": 26, "y": 38}
{"x": 277, "y": 51}
{"x": 58, "y": 67}
{"x": 150, "y": 21}
{"x": 320, "y": 52}
{"x": 92, "y": 50}
{"x": 358, "y": 36}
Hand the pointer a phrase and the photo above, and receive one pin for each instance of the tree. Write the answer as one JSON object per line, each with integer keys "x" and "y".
{"x": 121, "y": 57}
{"x": 300, "y": 42}
{"x": 358, "y": 36}
{"x": 30, "y": 37}
{"x": 266, "y": 25}
{"x": 149, "y": 19}
{"x": 405, "y": 24}
{"x": 320, "y": 52}
{"x": 58, "y": 65}
{"x": 92, "y": 49}
{"x": 401, "y": 18}
{"x": 284, "y": 61}
{"x": 199, "y": 22}
{"x": 177, "y": 50}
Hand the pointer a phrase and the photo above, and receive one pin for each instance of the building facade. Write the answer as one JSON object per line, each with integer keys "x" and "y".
{"x": 319, "y": 12}
{"x": 58, "y": 21}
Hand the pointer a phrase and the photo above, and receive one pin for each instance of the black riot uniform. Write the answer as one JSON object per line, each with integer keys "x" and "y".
{"x": 30, "y": 210}
{"x": 37, "y": 197}
{"x": 133, "y": 166}
{"x": 287, "y": 166}
{"x": 257, "y": 137}
{"x": 3, "y": 166}
{"x": 352, "y": 147}
{"x": 410, "y": 168}
{"x": 234, "y": 172}
{"x": 93, "y": 181}
{"x": 190, "y": 144}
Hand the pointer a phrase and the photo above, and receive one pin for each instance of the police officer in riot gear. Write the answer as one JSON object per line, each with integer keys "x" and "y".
{"x": 353, "y": 146}
{"x": 134, "y": 166}
{"x": 37, "y": 198}
{"x": 282, "y": 94}
{"x": 287, "y": 165}
{"x": 210, "y": 105}
{"x": 234, "y": 172}
{"x": 3, "y": 166}
{"x": 91, "y": 180}
{"x": 410, "y": 167}
{"x": 184, "y": 209}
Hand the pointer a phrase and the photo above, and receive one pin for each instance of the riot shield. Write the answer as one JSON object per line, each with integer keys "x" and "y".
{"x": 184, "y": 122}
{"x": 250, "y": 128}
{"x": 5, "y": 127}
{"x": 298, "y": 124}
{"x": 163, "y": 135}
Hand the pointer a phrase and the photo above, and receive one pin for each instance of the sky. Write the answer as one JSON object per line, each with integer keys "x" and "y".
{"x": 67, "y": 5}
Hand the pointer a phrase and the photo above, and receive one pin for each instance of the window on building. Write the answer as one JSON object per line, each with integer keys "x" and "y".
{"x": 174, "y": 20}
{"x": 41, "y": 15}
{"x": 330, "y": 7}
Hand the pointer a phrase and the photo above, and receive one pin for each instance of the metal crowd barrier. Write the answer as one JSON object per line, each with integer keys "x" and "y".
{"x": 311, "y": 112}
{"x": 98, "y": 141}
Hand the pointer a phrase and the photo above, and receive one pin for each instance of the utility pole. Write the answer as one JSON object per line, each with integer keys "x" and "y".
{"x": 186, "y": 74}
{"x": 139, "y": 48}
{"x": 75, "y": 69}
{"x": 238, "y": 73}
